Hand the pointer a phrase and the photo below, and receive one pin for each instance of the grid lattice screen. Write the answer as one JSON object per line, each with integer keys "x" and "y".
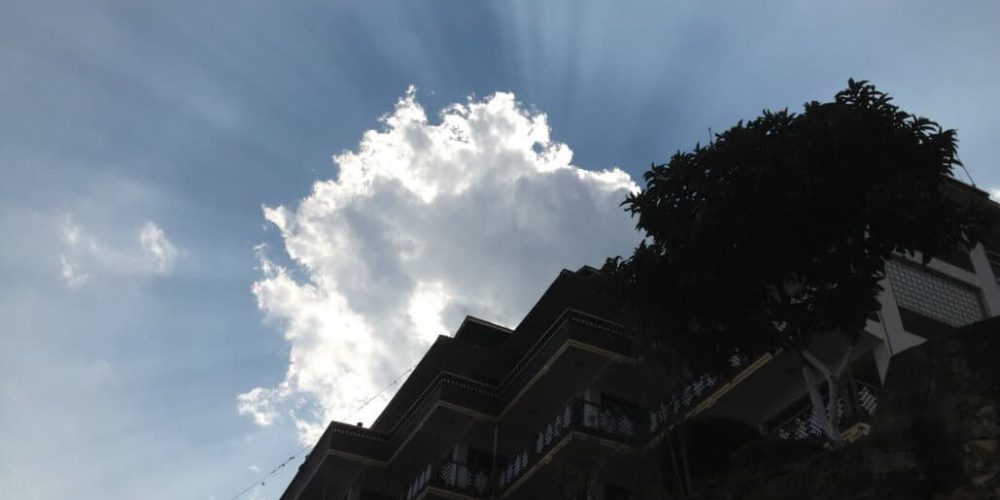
{"x": 934, "y": 296}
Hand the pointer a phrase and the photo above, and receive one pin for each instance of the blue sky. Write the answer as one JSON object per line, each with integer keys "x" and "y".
{"x": 191, "y": 286}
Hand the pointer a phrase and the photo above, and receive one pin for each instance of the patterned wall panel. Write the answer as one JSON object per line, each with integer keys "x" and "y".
{"x": 934, "y": 296}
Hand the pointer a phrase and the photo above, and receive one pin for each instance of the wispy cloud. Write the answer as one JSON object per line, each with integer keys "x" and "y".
{"x": 70, "y": 275}
{"x": 425, "y": 222}
{"x": 84, "y": 254}
{"x": 157, "y": 247}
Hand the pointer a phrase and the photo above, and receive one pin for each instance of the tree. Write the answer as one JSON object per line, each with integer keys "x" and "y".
{"x": 779, "y": 230}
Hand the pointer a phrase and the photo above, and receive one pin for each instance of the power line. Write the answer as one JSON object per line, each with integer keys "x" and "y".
{"x": 379, "y": 393}
{"x": 273, "y": 471}
{"x": 261, "y": 481}
{"x": 968, "y": 174}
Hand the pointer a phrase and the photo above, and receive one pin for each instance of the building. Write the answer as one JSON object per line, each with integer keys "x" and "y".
{"x": 565, "y": 406}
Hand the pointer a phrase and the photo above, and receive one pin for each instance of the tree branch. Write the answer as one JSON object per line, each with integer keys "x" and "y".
{"x": 813, "y": 360}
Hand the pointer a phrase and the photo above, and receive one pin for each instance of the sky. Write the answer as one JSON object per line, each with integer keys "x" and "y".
{"x": 226, "y": 223}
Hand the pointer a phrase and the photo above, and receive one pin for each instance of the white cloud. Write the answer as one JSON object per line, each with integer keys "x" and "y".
{"x": 424, "y": 223}
{"x": 70, "y": 275}
{"x": 258, "y": 403}
{"x": 995, "y": 194}
{"x": 84, "y": 254}
{"x": 157, "y": 247}
{"x": 71, "y": 232}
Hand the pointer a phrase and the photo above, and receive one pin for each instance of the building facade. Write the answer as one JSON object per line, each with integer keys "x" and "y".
{"x": 565, "y": 406}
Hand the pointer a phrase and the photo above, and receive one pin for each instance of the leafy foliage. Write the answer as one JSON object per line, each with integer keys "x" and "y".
{"x": 780, "y": 228}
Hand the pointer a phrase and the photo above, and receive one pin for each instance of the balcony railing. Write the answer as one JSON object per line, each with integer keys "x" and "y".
{"x": 692, "y": 392}
{"x": 806, "y": 425}
{"x": 605, "y": 421}
{"x": 453, "y": 476}
{"x": 420, "y": 482}
{"x": 617, "y": 424}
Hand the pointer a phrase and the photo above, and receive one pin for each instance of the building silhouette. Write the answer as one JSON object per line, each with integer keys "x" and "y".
{"x": 566, "y": 406}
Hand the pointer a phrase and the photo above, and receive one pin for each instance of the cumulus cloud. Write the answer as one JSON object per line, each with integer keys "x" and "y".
{"x": 425, "y": 222}
{"x": 84, "y": 253}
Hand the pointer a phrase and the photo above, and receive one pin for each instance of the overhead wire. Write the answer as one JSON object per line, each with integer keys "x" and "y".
{"x": 262, "y": 480}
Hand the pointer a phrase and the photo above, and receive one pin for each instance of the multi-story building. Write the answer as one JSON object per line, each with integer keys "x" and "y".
{"x": 566, "y": 406}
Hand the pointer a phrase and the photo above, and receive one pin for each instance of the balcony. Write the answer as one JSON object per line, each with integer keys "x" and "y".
{"x": 804, "y": 425}
{"x": 624, "y": 428}
{"x": 450, "y": 476}
{"x": 697, "y": 390}
{"x": 608, "y": 423}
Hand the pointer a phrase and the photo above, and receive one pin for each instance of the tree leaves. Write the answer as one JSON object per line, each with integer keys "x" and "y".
{"x": 788, "y": 219}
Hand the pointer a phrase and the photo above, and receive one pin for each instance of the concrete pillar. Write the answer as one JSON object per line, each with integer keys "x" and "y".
{"x": 894, "y": 338}
{"x": 355, "y": 492}
{"x": 596, "y": 484}
{"x": 460, "y": 473}
{"x": 986, "y": 281}
{"x": 591, "y": 416}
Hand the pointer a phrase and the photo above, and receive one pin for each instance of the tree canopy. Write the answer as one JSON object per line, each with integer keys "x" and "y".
{"x": 780, "y": 228}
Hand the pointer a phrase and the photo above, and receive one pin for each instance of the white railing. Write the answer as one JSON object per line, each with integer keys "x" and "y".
{"x": 806, "y": 423}
{"x": 554, "y": 429}
{"x": 418, "y": 484}
{"x": 618, "y": 424}
{"x": 691, "y": 394}
{"x": 608, "y": 420}
{"x": 513, "y": 469}
{"x": 461, "y": 476}
{"x": 450, "y": 474}
{"x": 580, "y": 416}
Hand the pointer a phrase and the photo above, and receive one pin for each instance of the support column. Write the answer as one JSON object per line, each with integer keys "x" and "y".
{"x": 894, "y": 338}
{"x": 986, "y": 281}
{"x": 355, "y": 492}
{"x": 591, "y": 407}
{"x": 595, "y": 486}
{"x": 460, "y": 472}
